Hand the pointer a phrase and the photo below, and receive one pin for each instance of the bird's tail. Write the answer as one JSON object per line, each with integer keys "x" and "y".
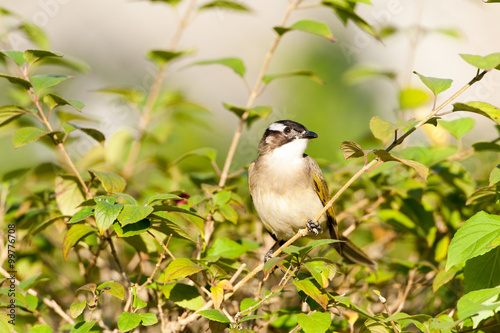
{"x": 354, "y": 254}
{"x": 348, "y": 249}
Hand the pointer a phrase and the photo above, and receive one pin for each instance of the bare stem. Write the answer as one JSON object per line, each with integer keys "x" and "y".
{"x": 253, "y": 95}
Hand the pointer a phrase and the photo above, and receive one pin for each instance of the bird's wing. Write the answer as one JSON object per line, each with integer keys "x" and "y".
{"x": 323, "y": 194}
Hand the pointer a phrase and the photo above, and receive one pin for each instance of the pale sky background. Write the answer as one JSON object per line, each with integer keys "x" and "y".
{"x": 113, "y": 36}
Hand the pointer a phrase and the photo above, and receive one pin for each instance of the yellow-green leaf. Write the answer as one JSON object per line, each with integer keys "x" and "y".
{"x": 73, "y": 236}
{"x": 180, "y": 268}
{"x": 111, "y": 181}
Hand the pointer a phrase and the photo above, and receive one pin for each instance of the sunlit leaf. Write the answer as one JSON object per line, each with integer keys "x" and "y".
{"x": 224, "y": 4}
{"x": 411, "y": 98}
{"x": 381, "y": 129}
{"x": 217, "y": 296}
{"x": 133, "y": 213}
{"x": 127, "y": 321}
{"x": 345, "y": 11}
{"x": 479, "y": 305}
{"x": 474, "y": 238}
{"x": 495, "y": 175}
{"x": 180, "y": 268}
{"x": 35, "y": 34}
{"x": 68, "y": 194}
{"x": 317, "y": 322}
{"x": 271, "y": 77}
{"x": 235, "y": 64}
{"x": 43, "y": 82}
{"x": 82, "y": 214}
{"x": 16, "y": 56}
{"x": 111, "y": 181}
{"x": 113, "y": 288}
{"x": 362, "y": 73}
{"x": 130, "y": 95}
{"x": 309, "y": 26}
{"x": 148, "y": 319}
{"x": 351, "y": 149}
{"x": 215, "y": 315}
{"x": 487, "y": 62}
{"x": 436, "y": 85}
{"x": 482, "y": 108}
{"x": 421, "y": 169}
{"x": 17, "y": 80}
{"x": 54, "y": 101}
{"x": 162, "y": 57}
{"x": 32, "y": 56}
{"x": 10, "y": 112}
{"x": 73, "y": 236}
{"x": 311, "y": 290}
{"x": 458, "y": 127}
{"x": 77, "y": 308}
{"x": 105, "y": 214}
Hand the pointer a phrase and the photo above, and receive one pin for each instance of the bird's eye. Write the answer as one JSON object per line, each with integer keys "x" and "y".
{"x": 287, "y": 130}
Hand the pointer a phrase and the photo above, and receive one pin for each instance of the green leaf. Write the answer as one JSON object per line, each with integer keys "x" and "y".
{"x": 111, "y": 181}
{"x": 436, "y": 85}
{"x": 41, "y": 329}
{"x": 128, "y": 321}
{"x": 224, "y": 4}
{"x": 132, "y": 229}
{"x": 481, "y": 108}
{"x": 43, "y": 82}
{"x": 161, "y": 57}
{"x": 309, "y": 26}
{"x": 133, "y": 213}
{"x": 35, "y": 34}
{"x": 311, "y": 290}
{"x": 271, "y": 77}
{"x": 185, "y": 296}
{"x": 17, "y": 80}
{"x": 229, "y": 213}
{"x": 148, "y": 319}
{"x": 76, "y": 308}
{"x": 162, "y": 197}
{"x": 421, "y": 169}
{"x": 317, "y": 322}
{"x": 25, "y": 135}
{"x": 381, "y": 129}
{"x": 91, "y": 287}
{"x": 479, "y": 305}
{"x": 32, "y": 56}
{"x": 130, "y": 199}
{"x": 54, "y": 101}
{"x": 105, "y": 214}
{"x": 474, "y": 238}
{"x": 351, "y": 149}
{"x": 487, "y": 62}
{"x": 361, "y": 73}
{"x": 411, "y": 98}
{"x": 68, "y": 194}
{"x": 321, "y": 270}
{"x": 444, "y": 277}
{"x": 225, "y": 247}
{"x": 253, "y": 113}
{"x": 215, "y": 315}
{"x": 483, "y": 271}
{"x": 221, "y": 198}
{"x": 495, "y": 175}
{"x": 82, "y": 214}
{"x": 180, "y": 268}
{"x": 345, "y": 11}
{"x": 458, "y": 127}
{"x": 16, "y": 56}
{"x": 113, "y": 288}
{"x": 130, "y": 95}
{"x": 10, "y": 112}
{"x": 235, "y": 64}
{"x": 73, "y": 236}
{"x": 248, "y": 303}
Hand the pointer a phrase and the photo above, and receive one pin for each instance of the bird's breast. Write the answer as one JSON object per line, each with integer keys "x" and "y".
{"x": 284, "y": 196}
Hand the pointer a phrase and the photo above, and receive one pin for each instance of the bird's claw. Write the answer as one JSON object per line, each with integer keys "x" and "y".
{"x": 313, "y": 227}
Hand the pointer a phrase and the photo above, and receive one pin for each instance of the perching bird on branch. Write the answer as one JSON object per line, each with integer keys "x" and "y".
{"x": 289, "y": 190}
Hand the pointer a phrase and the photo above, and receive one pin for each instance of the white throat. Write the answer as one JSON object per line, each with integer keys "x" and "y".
{"x": 291, "y": 151}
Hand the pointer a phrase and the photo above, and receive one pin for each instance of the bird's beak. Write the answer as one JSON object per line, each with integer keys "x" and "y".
{"x": 309, "y": 135}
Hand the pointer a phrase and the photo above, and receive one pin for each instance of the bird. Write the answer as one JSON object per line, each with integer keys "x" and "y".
{"x": 288, "y": 191}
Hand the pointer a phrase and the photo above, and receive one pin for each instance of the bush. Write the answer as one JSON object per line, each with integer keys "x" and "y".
{"x": 128, "y": 236}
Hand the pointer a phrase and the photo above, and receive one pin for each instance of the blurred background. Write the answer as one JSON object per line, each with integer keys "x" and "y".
{"x": 112, "y": 37}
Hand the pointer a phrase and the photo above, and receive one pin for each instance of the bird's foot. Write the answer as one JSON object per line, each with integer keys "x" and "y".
{"x": 268, "y": 255}
{"x": 313, "y": 227}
